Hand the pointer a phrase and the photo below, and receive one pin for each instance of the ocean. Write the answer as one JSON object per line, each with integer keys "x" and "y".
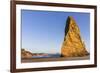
{"x": 48, "y": 56}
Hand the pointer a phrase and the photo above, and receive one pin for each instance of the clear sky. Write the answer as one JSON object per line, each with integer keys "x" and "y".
{"x": 43, "y": 31}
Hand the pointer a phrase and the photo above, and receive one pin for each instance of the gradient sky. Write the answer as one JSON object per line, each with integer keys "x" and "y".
{"x": 43, "y": 31}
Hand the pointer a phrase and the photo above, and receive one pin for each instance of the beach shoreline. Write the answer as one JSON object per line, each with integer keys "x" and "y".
{"x": 29, "y": 60}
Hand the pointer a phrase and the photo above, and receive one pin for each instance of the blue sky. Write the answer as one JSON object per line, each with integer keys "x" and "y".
{"x": 43, "y": 31}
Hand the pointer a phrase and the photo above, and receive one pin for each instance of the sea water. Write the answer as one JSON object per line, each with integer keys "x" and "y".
{"x": 48, "y": 56}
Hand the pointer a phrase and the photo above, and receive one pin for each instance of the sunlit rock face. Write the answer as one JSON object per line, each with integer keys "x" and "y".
{"x": 73, "y": 45}
{"x": 26, "y": 54}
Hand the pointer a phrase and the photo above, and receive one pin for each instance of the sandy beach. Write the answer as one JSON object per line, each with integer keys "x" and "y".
{"x": 27, "y": 60}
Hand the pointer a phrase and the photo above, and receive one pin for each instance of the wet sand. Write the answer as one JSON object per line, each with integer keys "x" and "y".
{"x": 28, "y": 60}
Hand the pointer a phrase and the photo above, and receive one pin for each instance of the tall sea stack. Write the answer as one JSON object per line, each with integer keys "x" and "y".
{"x": 73, "y": 45}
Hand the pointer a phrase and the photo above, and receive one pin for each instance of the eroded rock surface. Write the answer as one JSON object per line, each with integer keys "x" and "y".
{"x": 73, "y": 45}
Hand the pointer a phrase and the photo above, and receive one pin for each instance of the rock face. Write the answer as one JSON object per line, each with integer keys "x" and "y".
{"x": 26, "y": 54}
{"x": 73, "y": 46}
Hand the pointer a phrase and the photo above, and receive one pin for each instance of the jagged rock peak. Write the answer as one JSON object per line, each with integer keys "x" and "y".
{"x": 71, "y": 24}
{"x": 72, "y": 44}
